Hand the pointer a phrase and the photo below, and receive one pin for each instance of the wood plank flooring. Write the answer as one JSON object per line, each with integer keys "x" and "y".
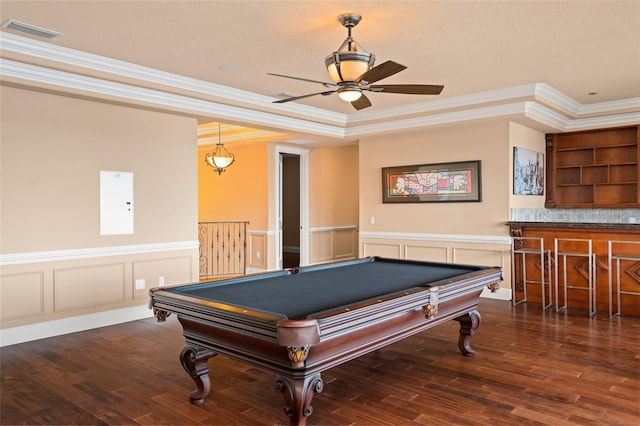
{"x": 530, "y": 368}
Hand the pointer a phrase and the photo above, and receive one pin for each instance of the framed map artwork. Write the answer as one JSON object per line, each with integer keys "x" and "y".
{"x": 432, "y": 183}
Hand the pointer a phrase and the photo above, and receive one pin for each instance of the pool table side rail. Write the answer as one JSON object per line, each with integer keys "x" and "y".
{"x": 481, "y": 278}
{"x": 415, "y": 298}
{"x": 380, "y": 334}
{"x": 453, "y": 300}
{"x": 260, "y": 324}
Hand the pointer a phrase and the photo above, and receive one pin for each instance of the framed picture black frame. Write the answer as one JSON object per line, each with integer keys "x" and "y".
{"x": 433, "y": 183}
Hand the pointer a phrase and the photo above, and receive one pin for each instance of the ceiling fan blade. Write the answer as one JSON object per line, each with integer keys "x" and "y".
{"x": 295, "y": 98}
{"x": 409, "y": 89}
{"x": 361, "y": 103}
{"x": 381, "y": 71}
{"x": 304, "y": 79}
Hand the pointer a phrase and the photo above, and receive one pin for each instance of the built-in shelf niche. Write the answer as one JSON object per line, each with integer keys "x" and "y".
{"x": 593, "y": 169}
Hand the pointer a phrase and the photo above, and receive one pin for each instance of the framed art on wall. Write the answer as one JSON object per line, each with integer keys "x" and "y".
{"x": 432, "y": 183}
{"x": 528, "y": 172}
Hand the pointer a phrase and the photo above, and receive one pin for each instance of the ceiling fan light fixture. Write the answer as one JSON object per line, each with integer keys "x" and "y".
{"x": 350, "y": 95}
{"x": 348, "y": 66}
{"x": 350, "y": 61}
{"x": 352, "y": 71}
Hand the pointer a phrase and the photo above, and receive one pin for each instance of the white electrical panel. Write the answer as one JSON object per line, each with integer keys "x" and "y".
{"x": 116, "y": 203}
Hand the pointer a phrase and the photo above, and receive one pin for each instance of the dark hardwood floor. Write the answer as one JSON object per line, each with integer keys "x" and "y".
{"x": 531, "y": 368}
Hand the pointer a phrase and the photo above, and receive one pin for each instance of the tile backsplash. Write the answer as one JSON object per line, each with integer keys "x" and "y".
{"x": 575, "y": 215}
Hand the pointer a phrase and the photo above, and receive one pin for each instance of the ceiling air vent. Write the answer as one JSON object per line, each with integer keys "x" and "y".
{"x": 14, "y": 25}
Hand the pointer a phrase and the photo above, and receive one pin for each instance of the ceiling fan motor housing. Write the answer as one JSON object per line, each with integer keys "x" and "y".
{"x": 349, "y": 20}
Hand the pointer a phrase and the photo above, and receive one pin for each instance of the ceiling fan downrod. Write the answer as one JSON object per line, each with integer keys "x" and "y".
{"x": 350, "y": 20}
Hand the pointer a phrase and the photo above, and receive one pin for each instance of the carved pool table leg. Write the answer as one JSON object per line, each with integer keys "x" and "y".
{"x": 469, "y": 324}
{"x": 194, "y": 361}
{"x": 298, "y": 394}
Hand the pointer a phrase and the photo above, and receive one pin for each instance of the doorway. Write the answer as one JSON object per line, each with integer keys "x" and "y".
{"x": 292, "y": 207}
{"x": 290, "y": 210}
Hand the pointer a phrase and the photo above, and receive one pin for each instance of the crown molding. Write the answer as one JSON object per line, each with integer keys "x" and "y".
{"x": 89, "y": 85}
{"x": 626, "y": 119}
{"x": 437, "y": 119}
{"x": 76, "y": 58}
{"x": 538, "y": 92}
{"x": 536, "y": 101}
{"x": 455, "y": 102}
{"x": 559, "y": 100}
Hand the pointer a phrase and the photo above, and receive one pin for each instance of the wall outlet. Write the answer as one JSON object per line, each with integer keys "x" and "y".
{"x": 632, "y": 220}
{"x": 161, "y": 281}
{"x": 140, "y": 284}
{"x": 257, "y": 255}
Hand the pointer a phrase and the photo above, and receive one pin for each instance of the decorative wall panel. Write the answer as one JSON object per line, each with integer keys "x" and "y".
{"x": 333, "y": 244}
{"x": 88, "y": 286}
{"x": 156, "y": 272}
{"x": 344, "y": 244}
{"x": 428, "y": 253}
{"x": 21, "y": 295}
{"x": 257, "y": 250}
{"x": 478, "y": 256}
{"x": 389, "y": 250}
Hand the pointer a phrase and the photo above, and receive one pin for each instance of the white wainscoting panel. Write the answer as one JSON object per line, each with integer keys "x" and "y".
{"x": 479, "y": 256}
{"x": 426, "y": 252}
{"x": 21, "y": 295}
{"x": 331, "y": 244}
{"x": 390, "y": 250}
{"x": 88, "y": 286}
{"x": 173, "y": 270}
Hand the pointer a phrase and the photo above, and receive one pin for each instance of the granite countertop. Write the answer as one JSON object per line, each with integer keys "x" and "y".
{"x": 584, "y": 225}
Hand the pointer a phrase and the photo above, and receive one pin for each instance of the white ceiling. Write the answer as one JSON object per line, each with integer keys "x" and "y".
{"x": 471, "y": 47}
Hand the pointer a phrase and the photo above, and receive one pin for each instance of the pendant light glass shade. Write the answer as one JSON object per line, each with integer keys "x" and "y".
{"x": 220, "y": 158}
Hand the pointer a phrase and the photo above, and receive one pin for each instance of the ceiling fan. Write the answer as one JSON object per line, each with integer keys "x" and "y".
{"x": 352, "y": 72}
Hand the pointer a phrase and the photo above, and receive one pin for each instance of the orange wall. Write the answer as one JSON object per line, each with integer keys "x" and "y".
{"x": 240, "y": 193}
{"x": 333, "y": 179}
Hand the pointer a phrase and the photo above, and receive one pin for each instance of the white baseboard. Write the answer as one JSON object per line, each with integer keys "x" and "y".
{"x": 42, "y": 330}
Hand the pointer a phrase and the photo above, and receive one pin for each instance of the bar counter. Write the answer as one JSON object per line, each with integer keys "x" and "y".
{"x": 600, "y": 234}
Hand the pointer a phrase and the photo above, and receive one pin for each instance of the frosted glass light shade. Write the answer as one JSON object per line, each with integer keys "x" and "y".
{"x": 347, "y": 66}
{"x": 220, "y": 158}
{"x": 350, "y": 95}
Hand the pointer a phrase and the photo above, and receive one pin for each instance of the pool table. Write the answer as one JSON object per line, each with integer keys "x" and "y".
{"x": 303, "y": 321}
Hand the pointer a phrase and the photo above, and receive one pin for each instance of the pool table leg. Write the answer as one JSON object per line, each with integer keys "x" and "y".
{"x": 298, "y": 394}
{"x": 194, "y": 361}
{"x": 469, "y": 324}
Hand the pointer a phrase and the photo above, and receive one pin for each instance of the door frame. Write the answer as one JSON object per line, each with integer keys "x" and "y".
{"x": 304, "y": 202}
